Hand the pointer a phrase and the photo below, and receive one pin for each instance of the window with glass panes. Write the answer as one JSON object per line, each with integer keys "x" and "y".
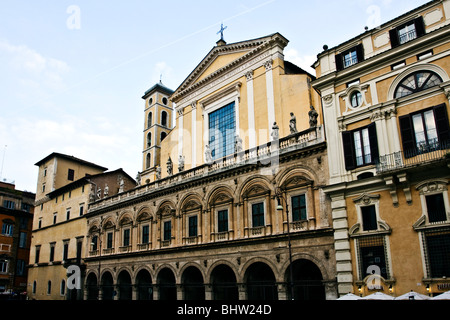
{"x": 193, "y": 226}
{"x": 222, "y": 220}
{"x": 372, "y": 253}
{"x": 436, "y": 207}
{"x": 145, "y": 233}
{"x": 258, "y": 214}
{"x": 369, "y": 218}
{"x": 167, "y": 230}
{"x": 298, "y": 205}
{"x": 126, "y": 237}
{"x": 437, "y": 244}
{"x": 222, "y": 131}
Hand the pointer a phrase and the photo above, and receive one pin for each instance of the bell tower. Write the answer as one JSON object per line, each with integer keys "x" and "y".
{"x": 158, "y": 114}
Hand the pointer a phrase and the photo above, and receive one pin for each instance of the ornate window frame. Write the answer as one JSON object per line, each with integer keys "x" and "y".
{"x": 432, "y": 187}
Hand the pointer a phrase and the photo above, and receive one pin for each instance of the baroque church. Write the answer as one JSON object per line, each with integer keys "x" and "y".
{"x": 230, "y": 201}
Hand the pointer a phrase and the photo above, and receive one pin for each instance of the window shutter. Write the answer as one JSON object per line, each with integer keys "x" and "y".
{"x": 393, "y": 35}
{"x": 420, "y": 26}
{"x": 373, "y": 142}
{"x": 407, "y": 133}
{"x": 339, "y": 62}
{"x": 443, "y": 129}
{"x": 349, "y": 157}
{"x": 360, "y": 52}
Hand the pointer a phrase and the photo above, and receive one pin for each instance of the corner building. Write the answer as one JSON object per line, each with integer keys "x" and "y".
{"x": 385, "y": 96}
{"x": 230, "y": 202}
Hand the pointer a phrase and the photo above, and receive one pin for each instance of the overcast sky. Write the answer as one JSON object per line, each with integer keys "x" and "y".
{"x": 72, "y": 73}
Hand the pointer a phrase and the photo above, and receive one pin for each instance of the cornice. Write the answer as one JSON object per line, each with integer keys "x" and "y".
{"x": 260, "y": 45}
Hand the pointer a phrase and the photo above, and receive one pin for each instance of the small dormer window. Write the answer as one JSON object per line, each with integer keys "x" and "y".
{"x": 406, "y": 32}
{"x": 349, "y": 57}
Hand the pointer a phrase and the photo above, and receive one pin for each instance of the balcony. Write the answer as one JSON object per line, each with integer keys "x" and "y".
{"x": 424, "y": 154}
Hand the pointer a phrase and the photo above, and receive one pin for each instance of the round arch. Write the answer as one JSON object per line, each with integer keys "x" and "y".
{"x": 91, "y": 285}
{"x": 191, "y": 200}
{"x": 124, "y": 285}
{"x": 223, "y": 280}
{"x": 217, "y": 193}
{"x": 107, "y": 285}
{"x": 418, "y": 67}
{"x": 252, "y": 182}
{"x": 166, "y": 284}
{"x": 307, "y": 280}
{"x": 193, "y": 283}
{"x": 144, "y": 287}
{"x": 260, "y": 281}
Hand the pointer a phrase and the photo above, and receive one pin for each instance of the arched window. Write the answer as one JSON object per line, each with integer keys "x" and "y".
{"x": 164, "y": 118}
{"x": 356, "y": 99}
{"x": 149, "y": 139}
{"x": 149, "y": 119}
{"x": 417, "y": 81}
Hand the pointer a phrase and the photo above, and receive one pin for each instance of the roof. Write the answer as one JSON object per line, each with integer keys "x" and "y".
{"x": 291, "y": 68}
{"x": 253, "y": 46}
{"x": 381, "y": 26}
{"x": 70, "y": 158}
{"x": 157, "y": 87}
{"x": 86, "y": 179}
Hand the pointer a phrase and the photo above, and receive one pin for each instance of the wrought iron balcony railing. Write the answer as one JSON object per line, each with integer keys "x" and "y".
{"x": 423, "y": 154}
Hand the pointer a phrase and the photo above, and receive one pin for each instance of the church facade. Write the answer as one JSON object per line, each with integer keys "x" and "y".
{"x": 230, "y": 202}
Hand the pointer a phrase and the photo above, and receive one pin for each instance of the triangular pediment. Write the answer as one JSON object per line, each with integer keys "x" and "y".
{"x": 225, "y": 57}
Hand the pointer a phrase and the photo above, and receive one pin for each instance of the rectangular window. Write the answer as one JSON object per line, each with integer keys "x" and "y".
{"x": 52, "y": 252}
{"x": 145, "y": 234}
{"x": 65, "y": 250}
{"x": 7, "y": 229}
{"x": 70, "y": 174}
{"x": 3, "y": 266}
{"x": 258, "y": 214}
{"x": 20, "y": 267}
{"x": 37, "y": 254}
{"x": 406, "y": 32}
{"x": 369, "y": 218}
{"x": 350, "y": 57}
{"x": 372, "y": 253}
{"x": 425, "y": 131}
{"x": 298, "y": 204}
{"x": 9, "y": 204}
{"x": 436, "y": 208}
{"x": 222, "y": 131}
{"x": 81, "y": 210}
{"x": 94, "y": 243}
{"x": 55, "y": 215}
{"x": 109, "y": 240}
{"x": 438, "y": 257}
{"x": 67, "y": 214}
{"x": 193, "y": 227}
{"x": 360, "y": 147}
{"x": 222, "y": 220}
{"x": 126, "y": 237}
{"x": 167, "y": 230}
{"x": 23, "y": 240}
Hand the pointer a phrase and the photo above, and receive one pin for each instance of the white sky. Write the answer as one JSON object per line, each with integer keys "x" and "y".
{"x": 72, "y": 73}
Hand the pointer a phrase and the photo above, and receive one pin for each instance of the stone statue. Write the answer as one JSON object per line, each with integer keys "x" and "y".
{"x": 208, "y": 155}
{"x": 106, "y": 191}
{"x": 158, "y": 172}
{"x": 181, "y": 163}
{"x": 275, "y": 132}
{"x": 121, "y": 184}
{"x": 313, "y": 117}
{"x": 169, "y": 166}
{"x": 293, "y": 124}
{"x": 238, "y": 144}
